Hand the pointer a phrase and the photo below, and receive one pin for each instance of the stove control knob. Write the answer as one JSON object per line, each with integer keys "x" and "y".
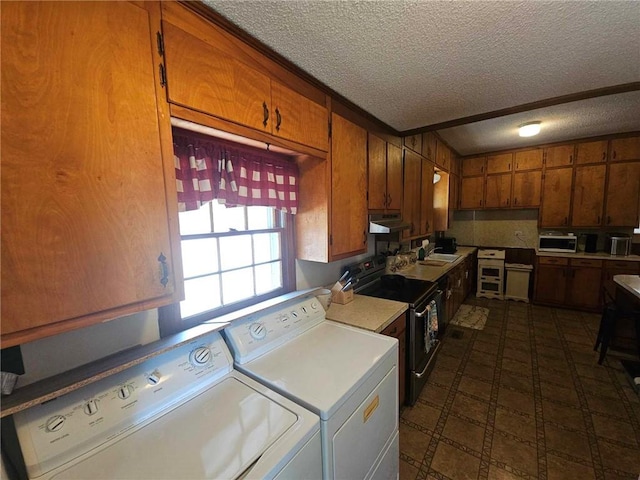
{"x": 55, "y": 423}
{"x": 314, "y": 305}
{"x": 91, "y": 407}
{"x": 257, "y": 330}
{"x": 154, "y": 378}
{"x": 124, "y": 392}
{"x": 200, "y": 357}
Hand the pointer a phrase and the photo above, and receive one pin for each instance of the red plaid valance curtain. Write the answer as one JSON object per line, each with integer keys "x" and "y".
{"x": 208, "y": 168}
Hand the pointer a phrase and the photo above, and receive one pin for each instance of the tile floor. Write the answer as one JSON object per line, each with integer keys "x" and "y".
{"x": 523, "y": 398}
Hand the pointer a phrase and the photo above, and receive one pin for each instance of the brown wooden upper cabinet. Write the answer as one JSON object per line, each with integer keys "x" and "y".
{"x": 526, "y": 189}
{"x": 385, "y": 174}
{"x": 528, "y": 159}
{"x": 472, "y": 167}
{"x": 443, "y": 155}
{"x": 411, "y": 201}
{"x": 623, "y": 195}
{"x": 559, "y": 156}
{"x": 204, "y": 73}
{"x": 500, "y": 163}
{"x": 627, "y": 148}
{"x": 588, "y": 196}
{"x": 556, "y": 197}
{"x": 89, "y": 226}
{"x": 498, "y": 191}
{"x": 591, "y": 152}
{"x": 426, "y": 199}
{"x": 472, "y": 193}
{"x": 414, "y": 142}
{"x": 429, "y": 146}
{"x": 348, "y": 180}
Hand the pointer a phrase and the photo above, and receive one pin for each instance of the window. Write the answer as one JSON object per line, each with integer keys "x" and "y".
{"x": 232, "y": 258}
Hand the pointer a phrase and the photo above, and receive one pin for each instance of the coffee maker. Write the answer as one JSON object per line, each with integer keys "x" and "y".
{"x": 590, "y": 242}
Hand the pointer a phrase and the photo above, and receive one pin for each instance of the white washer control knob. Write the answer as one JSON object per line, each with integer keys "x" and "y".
{"x": 200, "y": 356}
{"x": 124, "y": 392}
{"x": 55, "y": 423}
{"x": 258, "y": 330}
{"x": 154, "y": 378}
{"x": 91, "y": 407}
{"x": 314, "y": 305}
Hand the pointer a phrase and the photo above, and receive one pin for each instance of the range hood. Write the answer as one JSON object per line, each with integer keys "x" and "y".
{"x": 380, "y": 223}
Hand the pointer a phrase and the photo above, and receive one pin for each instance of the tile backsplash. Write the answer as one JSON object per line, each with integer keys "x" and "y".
{"x": 496, "y": 228}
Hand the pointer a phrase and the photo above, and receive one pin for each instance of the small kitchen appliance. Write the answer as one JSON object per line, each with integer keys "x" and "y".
{"x": 425, "y": 301}
{"x": 618, "y": 244}
{"x": 557, "y": 242}
{"x": 185, "y": 413}
{"x": 590, "y": 242}
{"x": 345, "y": 375}
{"x": 446, "y": 245}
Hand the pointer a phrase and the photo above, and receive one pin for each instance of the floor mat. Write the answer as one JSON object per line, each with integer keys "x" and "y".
{"x": 470, "y": 316}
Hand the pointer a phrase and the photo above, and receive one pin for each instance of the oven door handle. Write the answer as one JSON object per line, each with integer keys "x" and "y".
{"x": 426, "y": 309}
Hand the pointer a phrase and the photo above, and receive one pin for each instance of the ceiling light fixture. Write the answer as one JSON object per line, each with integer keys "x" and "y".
{"x": 436, "y": 177}
{"x": 529, "y": 129}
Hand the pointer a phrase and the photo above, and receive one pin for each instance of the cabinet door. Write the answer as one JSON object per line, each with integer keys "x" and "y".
{"x": 498, "y": 193}
{"x": 528, "y": 159}
{"x": 499, "y": 163}
{"x": 297, "y": 118}
{"x": 588, "y": 196}
{"x": 348, "y": 181}
{"x": 556, "y": 198}
{"x": 550, "y": 284}
{"x": 414, "y": 142}
{"x": 397, "y": 329}
{"x": 472, "y": 193}
{"x": 84, "y": 205}
{"x": 560, "y": 156}
{"x": 625, "y": 149}
{"x": 526, "y": 188}
{"x": 591, "y": 152}
{"x": 585, "y": 285}
{"x": 623, "y": 195}
{"x": 426, "y": 202}
{"x": 204, "y": 78}
{"x": 411, "y": 201}
{"x": 394, "y": 177}
{"x": 613, "y": 268}
{"x": 473, "y": 166}
{"x": 377, "y": 161}
{"x": 443, "y": 155}
{"x": 429, "y": 146}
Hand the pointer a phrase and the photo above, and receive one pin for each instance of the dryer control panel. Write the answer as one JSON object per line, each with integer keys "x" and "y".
{"x": 71, "y": 425}
{"x": 258, "y": 334}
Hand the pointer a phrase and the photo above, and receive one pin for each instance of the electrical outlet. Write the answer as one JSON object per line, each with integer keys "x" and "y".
{"x": 518, "y": 233}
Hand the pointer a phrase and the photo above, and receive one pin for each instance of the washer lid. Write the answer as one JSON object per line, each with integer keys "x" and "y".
{"x": 217, "y": 434}
{"x": 322, "y": 367}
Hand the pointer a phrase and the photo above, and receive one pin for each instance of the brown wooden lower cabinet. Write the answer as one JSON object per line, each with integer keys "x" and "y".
{"x": 397, "y": 329}
{"x": 575, "y": 282}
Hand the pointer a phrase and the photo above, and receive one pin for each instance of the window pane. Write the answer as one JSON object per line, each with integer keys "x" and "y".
{"x": 237, "y": 285}
{"x": 228, "y": 219}
{"x": 201, "y": 294}
{"x": 268, "y": 277}
{"x": 266, "y": 247}
{"x": 199, "y": 257}
{"x": 261, "y": 217}
{"x": 195, "y": 221}
{"x": 235, "y": 252}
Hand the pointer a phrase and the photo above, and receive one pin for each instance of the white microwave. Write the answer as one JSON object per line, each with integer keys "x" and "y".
{"x": 557, "y": 243}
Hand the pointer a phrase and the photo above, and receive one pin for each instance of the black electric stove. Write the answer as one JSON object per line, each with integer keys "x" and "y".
{"x": 402, "y": 289}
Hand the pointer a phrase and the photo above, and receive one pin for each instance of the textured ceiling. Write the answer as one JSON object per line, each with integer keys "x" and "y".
{"x": 418, "y": 63}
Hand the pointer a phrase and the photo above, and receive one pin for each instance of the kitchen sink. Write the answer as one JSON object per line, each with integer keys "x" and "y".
{"x": 443, "y": 257}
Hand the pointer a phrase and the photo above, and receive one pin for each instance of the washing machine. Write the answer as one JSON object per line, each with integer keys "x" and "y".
{"x": 345, "y": 375}
{"x": 185, "y": 413}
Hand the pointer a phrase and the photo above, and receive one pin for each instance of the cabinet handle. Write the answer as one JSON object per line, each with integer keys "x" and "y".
{"x": 508, "y": 166}
{"x": 389, "y": 204}
{"x": 482, "y": 169}
{"x": 614, "y": 154}
{"x": 384, "y": 199}
{"x": 570, "y": 158}
{"x": 278, "y": 120}
{"x": 164, "y": 269}
{"x": 160, "y": 43}
{"x": 364, "y": 237}
{"x": 163, "y": 75}
{"x": 608, "y": 219}
{"x": 604, "y": 156}
{"x": 507, "y": 201}
{"x": 565, "y": 221}
{"x": 265, "y": 113}
{"x": 598, "y": 222}
{"x": 413, "y": 141}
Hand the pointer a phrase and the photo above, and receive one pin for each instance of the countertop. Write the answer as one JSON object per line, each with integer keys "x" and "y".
{"x": 591, "y": 256}
{"x": 368, "y": 313}
{"x": 433, "y": 273}
{"x": 630, "y": 283}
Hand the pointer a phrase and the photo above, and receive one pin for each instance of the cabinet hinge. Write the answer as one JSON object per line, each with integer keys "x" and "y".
{"x": 329, "y": 128}
{"x": 160, "y": 42}
{"x": 163, "y": 75}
